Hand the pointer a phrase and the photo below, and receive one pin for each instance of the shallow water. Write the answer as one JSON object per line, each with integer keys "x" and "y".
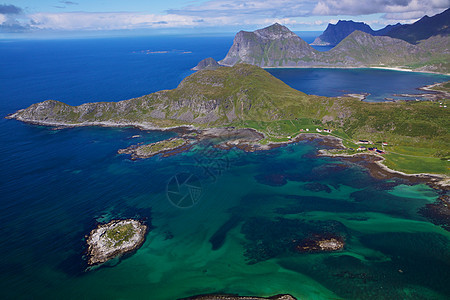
{"x": 56, "y": 184}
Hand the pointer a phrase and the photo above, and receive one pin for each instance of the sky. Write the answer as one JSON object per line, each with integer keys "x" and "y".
{"x": 35, "y": 17}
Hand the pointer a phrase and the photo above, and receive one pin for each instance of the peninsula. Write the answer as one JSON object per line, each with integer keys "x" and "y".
{"x": 413, "y": 135}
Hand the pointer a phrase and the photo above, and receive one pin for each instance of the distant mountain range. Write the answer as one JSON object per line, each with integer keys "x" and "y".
{"x": 334, "y": 34}
{"x": 423, "y": 29}
{"x": 277, "y": 46}
{"x": 412, "y": 33}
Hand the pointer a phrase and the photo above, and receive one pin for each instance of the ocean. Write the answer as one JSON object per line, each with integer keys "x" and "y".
{"x": 241, "y": 234}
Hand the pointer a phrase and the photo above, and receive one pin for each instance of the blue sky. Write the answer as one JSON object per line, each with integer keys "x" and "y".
{"x": 40, "y": 16}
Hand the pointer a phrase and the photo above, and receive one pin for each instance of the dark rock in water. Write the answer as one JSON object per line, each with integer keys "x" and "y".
{"x": 236, "y": 297}
{"x": 272, "y": 179}
{"x": 268, "y": 239}
{"x": 317, "y": 187}
{"x": 115, "y": 238}
{"x": 218, "y": 238}
{"x": 320, "y": 243}
{"x": 206, "y": 64}
{"x": 438, "y": 213}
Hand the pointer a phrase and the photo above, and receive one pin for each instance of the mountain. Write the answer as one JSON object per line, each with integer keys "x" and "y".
{"x": 386, "y": 30}
{"x": 206, "y": 64}
{"x": 424, "y": 28}
{"x": 334, "y": 34}
{"x": 363, "y": 49}
{"x": 272, "y": 46}
{"x": 277, "y": 46}
{"x": 211, "y": 97}
{"x": 246, "y": 96}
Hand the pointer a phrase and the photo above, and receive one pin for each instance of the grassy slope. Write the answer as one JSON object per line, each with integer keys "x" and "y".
{"x": 247, "y": 96}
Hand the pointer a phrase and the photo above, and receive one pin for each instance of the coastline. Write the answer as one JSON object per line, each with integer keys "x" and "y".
{"x": 436, "y": 181}
{"x": 399, "y": 69}
{"x": 250, "y": 146}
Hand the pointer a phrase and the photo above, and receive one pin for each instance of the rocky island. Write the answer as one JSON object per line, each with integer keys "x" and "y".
{"x": 114, "y": 239}
{"x": 149, "y": 150}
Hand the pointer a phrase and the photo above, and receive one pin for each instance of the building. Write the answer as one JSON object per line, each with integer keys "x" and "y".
{"x": 364, "y": 142}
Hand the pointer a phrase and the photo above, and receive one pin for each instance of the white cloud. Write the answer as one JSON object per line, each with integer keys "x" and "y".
{"x": 392, "y": 8}
{"x": 107, "y": 21}
{"x": 232, "y": 13}
{"x": 258, "y": 8}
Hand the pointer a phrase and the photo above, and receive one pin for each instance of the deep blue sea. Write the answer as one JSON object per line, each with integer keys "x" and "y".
{"x": 56, "y": 185}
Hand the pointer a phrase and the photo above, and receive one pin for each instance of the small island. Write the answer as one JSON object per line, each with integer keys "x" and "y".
{"x": 149, "y": 150}
{"x": 113, "y": 239}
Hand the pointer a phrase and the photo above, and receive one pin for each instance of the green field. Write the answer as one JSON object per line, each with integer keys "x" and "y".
{"x": 120, "y": 234}
{"x": 417, "y": 164}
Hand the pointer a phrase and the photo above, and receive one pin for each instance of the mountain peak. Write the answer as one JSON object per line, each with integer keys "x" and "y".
{"x": 275, "y": 31}
{"x": 271, "y": 46}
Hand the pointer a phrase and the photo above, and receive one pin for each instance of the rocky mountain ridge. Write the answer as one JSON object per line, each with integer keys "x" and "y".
{"x": 277, "y": 46}
{"x": 335, "y": 33}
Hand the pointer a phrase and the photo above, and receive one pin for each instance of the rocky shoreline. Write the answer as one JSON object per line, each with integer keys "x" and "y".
{"x": 247, "y": 139}
{"x": 374, "y": 163}
{"x": 113, "y": 239}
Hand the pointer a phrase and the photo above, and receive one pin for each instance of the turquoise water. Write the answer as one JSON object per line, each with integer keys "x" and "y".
{"x": 238, "y": 238}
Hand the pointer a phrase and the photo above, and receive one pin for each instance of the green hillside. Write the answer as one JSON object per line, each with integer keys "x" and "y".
{"x": 248, "y": 96}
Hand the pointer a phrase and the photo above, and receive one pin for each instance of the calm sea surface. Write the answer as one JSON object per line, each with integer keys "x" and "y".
{"x": 251, "y": 210}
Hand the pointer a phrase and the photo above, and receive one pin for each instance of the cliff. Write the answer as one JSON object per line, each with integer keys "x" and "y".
{"x": 277, "y": 46}
{"x": 272, "y": 46}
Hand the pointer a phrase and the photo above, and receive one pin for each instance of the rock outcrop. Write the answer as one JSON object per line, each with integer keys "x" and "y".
{"x": 206, "y": 64}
